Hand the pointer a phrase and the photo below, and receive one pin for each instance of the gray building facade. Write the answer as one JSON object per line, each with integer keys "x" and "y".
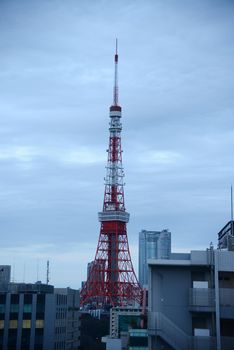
{"x": 191, "y": 301}
{"x": 152, "y": 245}
{"x": 26, "y": 317}
{"x": 38, "y": 317}
{"x": 68, "y": 305}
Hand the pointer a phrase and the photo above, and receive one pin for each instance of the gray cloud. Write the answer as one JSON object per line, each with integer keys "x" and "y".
{"x": 176, "y": 89}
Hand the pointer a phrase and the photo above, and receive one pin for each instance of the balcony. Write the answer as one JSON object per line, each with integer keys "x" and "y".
{"x": 201, "y": 299}
{"x": 113, "y": 215}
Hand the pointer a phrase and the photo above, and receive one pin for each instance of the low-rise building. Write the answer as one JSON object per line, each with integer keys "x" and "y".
{"x": 68, "y": 301}
{"x": 35, "y": 316}
{"x": 127, "y": 330}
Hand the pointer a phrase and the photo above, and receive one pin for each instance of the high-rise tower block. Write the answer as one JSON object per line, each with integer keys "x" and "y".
{"x": 112, "y": 280}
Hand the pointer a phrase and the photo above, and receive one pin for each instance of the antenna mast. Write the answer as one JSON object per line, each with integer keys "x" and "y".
{"x": 116, "y": 89}
{"x": 231, "y": 204}
{"x": 47, "y": 272}
{"x": 232, "y": 233}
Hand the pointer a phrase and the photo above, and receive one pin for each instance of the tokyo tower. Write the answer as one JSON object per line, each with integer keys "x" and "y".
{"x": 112, "y": 280}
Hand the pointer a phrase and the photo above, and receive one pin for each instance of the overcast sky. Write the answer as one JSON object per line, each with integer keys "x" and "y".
{"x": 176, "y": 81}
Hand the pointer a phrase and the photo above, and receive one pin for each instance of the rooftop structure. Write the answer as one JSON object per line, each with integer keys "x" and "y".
{"x": 152, "y": 245}
{"x": 5, "y": 274}
{"x": 226, "y": 236}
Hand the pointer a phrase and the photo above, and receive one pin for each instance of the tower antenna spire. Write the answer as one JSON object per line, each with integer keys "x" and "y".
{"x": 116, "y": 89}
{"x": 231, "y": 204}
{"x": 116, "y": 46}
{"x": 112, "y": 280}
{"x": 47, "y": 272}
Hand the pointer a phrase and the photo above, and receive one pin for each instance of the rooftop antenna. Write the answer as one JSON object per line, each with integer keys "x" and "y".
{"x": 13, "y": 272}
{"x": 24, "y": 273}
{"x": 47, "y": 272}
{"x": 38, "y": 269}
{"x": 232, "y": 233}
{"x": 231, "y": 204}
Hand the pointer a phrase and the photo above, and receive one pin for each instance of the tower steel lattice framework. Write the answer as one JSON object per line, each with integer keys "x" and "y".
{"x": 111, "y": 279}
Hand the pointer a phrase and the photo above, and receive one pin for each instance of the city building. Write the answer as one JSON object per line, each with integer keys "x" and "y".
{"x": 226, "y": 236}
{"x": 152, "y": 245}
{"x": 68, "y": 316}
{"x": 94, "y": 324}
{"x": 37, "y": 316}
{"x": 127, "y": 330}
{"x": 191, "y": 301}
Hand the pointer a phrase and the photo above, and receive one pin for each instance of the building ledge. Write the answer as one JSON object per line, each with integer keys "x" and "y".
{"x": 169, "y": 262}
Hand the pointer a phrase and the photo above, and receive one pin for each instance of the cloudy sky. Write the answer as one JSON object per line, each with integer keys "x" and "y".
{"x": 176, "y": 64}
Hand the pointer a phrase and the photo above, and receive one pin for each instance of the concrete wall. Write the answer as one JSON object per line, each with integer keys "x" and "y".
{"x": 113, "y": 344}
{"x": 171, "y": 294}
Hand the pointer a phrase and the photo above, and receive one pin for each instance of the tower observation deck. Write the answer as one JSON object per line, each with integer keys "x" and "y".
{"x": 112, "y": 280}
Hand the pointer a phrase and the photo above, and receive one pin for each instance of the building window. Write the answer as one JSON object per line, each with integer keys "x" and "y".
{"x": 1, "y": 324}
{"x": 14, "y": 308}
{"x": 40, "y": 304}
{"x": 39, "y": 336}
{"x": 14, "y": 298}
{"x": 25, "y": 339}
{"x": 39, "y": 323}
{"x": 2, "y": 308}
{"x": 2, "y": 298}
{"x": 13, "y": 324}
{"x": 27, "y": 308}
{"x": 26, "y": 323}
{"x": 200, "y": 284}
{"x": 201, "y": 332}
{"x": 28, "y": 298}
{"x": 12, "y": 338}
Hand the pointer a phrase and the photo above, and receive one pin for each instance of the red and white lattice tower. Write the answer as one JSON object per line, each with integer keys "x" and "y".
{"x": 111, "y": 279}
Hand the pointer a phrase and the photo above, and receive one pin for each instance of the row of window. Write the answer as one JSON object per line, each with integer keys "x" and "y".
{"x": 60, "y": 345}
{"x": 61, "y": 299}
{"x": 27, "y": 306}
{"x": 13, "y": 324}
{"x": 60, "y": 330}
{"x": 14, "y": 308}
{"x": 61, "y": 315}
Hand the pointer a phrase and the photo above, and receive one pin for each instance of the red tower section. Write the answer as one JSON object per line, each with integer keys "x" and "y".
{"x": 112, "y": 280}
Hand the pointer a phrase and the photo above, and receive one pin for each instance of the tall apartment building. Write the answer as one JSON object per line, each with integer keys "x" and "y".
{"x": 152, "y": 245}
{"x": 38, "y": 317}
{"x": 191, "y": 301}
